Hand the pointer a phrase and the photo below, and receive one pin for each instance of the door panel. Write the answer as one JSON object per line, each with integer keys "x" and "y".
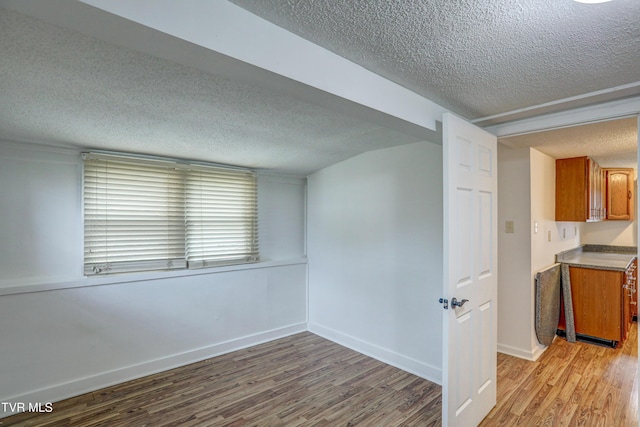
{"x": 462, "y": 247}
{"x": 464, "y": 392}
{"x": 470, "y": 270}
{"x": 486, "y": 217}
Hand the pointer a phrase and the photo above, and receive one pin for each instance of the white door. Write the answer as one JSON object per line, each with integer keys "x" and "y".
{"x": 470, "y": 272}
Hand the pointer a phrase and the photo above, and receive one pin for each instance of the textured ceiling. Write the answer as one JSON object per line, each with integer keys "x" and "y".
{"x": 59, "y": 86}
{"x": 478, "y": 58}
{"x": 611, "y": 143}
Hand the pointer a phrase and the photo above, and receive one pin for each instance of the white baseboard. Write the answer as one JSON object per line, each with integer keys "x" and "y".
{"x": 76, "y": 387}
{"x": 389, "y": 357}
{"x": 530, "y": 354}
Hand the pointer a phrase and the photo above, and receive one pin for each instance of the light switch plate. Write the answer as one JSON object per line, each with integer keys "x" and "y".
{"x": 509, "y": 227}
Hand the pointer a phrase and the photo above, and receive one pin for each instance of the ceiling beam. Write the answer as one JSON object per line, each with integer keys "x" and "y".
{"x": 574, "y": 102}
{"x": 578, "y": 116}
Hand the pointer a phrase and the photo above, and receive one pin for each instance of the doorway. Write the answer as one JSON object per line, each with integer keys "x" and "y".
{"x": 526, "y": 173}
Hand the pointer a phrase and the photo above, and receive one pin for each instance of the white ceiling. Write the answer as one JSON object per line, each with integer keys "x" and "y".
{"x": 59, "y": 86}
{"x": 612, "y": 143}
{"x": 479, "y": 58}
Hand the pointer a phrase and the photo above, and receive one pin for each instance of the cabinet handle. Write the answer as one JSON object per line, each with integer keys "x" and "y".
{"x": 629, "y": 194}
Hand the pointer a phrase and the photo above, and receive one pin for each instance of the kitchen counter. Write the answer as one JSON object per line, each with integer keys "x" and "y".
{"x": 598, "y": 284}
{"x": 602, "y": 257}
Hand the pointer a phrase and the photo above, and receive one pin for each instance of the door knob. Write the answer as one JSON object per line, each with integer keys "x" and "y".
{"x": 455, "y": 303}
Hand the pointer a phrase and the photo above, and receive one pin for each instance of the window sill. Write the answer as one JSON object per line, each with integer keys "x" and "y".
{"x": 23, "y": 287}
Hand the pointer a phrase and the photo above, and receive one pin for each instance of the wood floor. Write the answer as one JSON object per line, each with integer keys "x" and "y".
{"x": 302, "y": 380}
{"x": 569, "y": 385}
{"x": 305, "y": 380}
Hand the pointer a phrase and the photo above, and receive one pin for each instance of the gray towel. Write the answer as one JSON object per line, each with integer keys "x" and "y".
{"x": 568, "y": 304}
{"x": 547, "y": 303}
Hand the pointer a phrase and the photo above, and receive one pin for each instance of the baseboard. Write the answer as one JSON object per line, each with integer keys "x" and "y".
{"x": 531, "y": 354}
{"x": 76, "y": 387}
{"x": 389, "y": 357}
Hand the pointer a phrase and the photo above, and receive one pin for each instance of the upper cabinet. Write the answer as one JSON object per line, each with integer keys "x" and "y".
{"x": 620, "y": 194}
{"x": 587, "y": 192}
{"x": 580, "y": 185}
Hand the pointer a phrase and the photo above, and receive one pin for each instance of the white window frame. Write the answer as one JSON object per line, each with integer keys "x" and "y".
{"x": 144, "y": 214}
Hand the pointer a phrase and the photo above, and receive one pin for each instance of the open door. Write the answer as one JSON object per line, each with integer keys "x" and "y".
{"x": 470, "y": 273}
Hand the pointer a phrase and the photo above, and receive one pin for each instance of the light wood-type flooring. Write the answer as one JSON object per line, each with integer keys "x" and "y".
{"x": 305, "y": 380}
{"x": 569, "y": 385}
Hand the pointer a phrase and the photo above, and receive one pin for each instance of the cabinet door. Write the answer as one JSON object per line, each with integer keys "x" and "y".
{"x": 598, "y": 302}
{"x": 573, "y": 189}
{"x": 620, "y": 194}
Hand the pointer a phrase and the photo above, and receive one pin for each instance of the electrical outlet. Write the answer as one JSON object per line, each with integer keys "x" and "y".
{"x": 549, "y": 235}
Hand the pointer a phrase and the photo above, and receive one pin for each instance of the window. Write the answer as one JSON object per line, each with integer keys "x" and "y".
{"x": 142, "y": 214}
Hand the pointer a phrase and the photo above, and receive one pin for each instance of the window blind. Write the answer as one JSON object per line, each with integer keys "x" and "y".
{"x": 221, "y": 217}
{"x": 144, "y": 214}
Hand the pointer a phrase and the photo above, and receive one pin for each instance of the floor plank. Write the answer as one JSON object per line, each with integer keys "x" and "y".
{"x": 577, "y": 384}
{"x": 305, "y": 380}
{"x": 302, "y": 380}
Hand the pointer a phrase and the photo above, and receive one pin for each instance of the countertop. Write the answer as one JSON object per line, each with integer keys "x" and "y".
{"x": 617, "y": 258}
{"x": 602, "y": 261}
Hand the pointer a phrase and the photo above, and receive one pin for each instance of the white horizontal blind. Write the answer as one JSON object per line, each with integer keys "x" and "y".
{"x": 142, "y": 214}
{"x": 221, "y": 216}
{"x": 133, "y": 215}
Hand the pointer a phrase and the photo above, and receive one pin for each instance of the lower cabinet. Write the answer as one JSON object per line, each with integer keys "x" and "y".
{"x": 597, "y": 297}
{"x": 603, "y": 302}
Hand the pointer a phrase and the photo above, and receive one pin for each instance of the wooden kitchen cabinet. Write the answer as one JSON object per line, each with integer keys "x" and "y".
{"x": 602, "y": 302}
{"x": 598, "y": 302}
{"x": 579, "y": 190}
{"x": 620, "y": 194}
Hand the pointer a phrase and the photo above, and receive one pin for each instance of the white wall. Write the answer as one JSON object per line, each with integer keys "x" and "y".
{"x": 617, "y": 233}
{"x": 40, "y": 216}
{"x": 375, "y": 255}
{"x": 514, "y": 251}
{"x": 281, "y": 207}
{"x": 80, "y": 334}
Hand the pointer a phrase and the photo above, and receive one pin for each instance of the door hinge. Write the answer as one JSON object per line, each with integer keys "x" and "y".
{"x": 445, "y": 303}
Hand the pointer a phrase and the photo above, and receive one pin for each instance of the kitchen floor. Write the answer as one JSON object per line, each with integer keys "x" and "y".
{"x": 570, "y": 384}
